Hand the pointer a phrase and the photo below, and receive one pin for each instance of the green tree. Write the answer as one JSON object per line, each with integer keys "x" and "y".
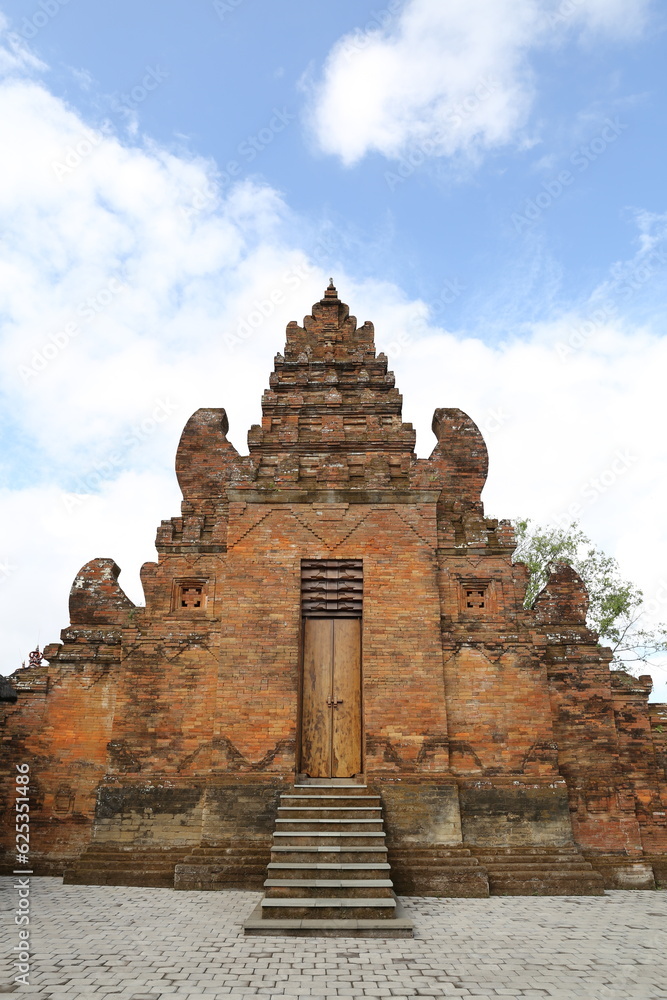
{"x": 616, "y": 610}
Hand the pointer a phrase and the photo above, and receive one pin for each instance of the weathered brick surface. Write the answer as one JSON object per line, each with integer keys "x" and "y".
{"x": 485, "y": 724}
{"x": 641, "y": 761}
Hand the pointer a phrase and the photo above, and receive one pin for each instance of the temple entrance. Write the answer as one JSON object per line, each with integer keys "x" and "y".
{"x": 331, "y": 727}
{"x": 331, "y": 705}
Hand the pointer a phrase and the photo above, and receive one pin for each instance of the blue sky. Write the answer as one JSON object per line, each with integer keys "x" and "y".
{"x": 484, "y": 180}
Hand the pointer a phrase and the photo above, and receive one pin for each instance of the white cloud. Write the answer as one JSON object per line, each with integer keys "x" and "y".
{"x": 451, "y": 78}
{"x": 132, "y": 291}
{"x": 616, "y": 18}
{"x": 191, "y": 322}
{"x": 15, "y": 57}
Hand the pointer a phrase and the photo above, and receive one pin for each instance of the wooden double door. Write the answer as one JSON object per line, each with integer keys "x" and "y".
{"x": 331, "y": 698}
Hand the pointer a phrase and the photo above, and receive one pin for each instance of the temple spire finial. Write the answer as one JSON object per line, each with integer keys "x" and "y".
{"x": 331, "y": 292}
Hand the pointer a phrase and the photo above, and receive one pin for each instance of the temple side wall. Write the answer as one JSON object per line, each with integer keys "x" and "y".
{"x": 602, "y": 803}
{"x": 59, "y": 727}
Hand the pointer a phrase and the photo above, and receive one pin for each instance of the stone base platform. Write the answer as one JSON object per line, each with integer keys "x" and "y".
{"x": 229, "y": 865}
{"x": 622, "y": 872}
{"x": 438, "y": 871}
{"x": 539, "y": 871}
{"x": 394, "y": 927}
{"x": 112, "y": 864}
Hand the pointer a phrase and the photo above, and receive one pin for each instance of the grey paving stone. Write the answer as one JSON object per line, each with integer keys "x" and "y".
{"x": 92, "y": 942}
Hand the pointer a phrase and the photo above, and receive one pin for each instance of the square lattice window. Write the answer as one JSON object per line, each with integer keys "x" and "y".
{"x": 190, "y": 595}
{"x": 476, "y": 597}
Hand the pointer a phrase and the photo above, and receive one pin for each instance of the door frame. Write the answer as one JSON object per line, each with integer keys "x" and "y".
{"x": 299, "y": 714}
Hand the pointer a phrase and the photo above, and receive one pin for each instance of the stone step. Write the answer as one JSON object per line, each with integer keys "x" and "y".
{"x": 330, "y": 907}
{"x": 558, "y": 871}
{"x": 225, "y": 864}
{"x": 213, "y": 877}
{"x": 98, "y": 856}
{"x": 335, "y": 838}
{"x": 241, "y": 846}
{"x": 337, "y": 813}
{"x": 435, "y": 851}
{"x": 542, "y": 875}
{"x": 497, "y": 852}
{"x": 331, "y": 854}
{"x": 261, "y": 925}
{"x": 116, "y": 866}
{"x": 296, "y": 799}
{"x": 305, "y": 871}
{"x": 547, "y": 886}
{"x": 228, "y": 857}
{"x": 127, "y": 852}
{"x": 331, "y": 888}
{"x": 330, "y": 848}
{"x": 164, "y": 880}
{"x": 331, "y": 785}
{"x": 533, "y": 859}
{"x": 426, "y": 863}
{"x": 330, "y": 803}
{"x": 361, "y": 887}
{"x": 455, "y": 883}
{"x": 299, "y": 825}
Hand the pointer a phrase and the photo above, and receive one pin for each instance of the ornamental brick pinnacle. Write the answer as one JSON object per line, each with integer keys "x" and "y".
{"x": 508, "y": 758}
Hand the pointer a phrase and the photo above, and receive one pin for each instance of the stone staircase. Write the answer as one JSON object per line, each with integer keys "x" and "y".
{"x": 539, "y": 871}
{"x": 329, "y": 875}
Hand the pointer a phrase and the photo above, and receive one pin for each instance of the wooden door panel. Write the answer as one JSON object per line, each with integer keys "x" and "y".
{"x": 317, "y": 685}
{"x": 346, "y": 735}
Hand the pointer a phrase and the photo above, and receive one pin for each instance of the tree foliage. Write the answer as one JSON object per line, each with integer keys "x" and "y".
{"x": 616, "y": 609}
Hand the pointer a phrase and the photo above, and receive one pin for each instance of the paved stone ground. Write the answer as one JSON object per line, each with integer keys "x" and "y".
{"x": 92, "y": 942}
